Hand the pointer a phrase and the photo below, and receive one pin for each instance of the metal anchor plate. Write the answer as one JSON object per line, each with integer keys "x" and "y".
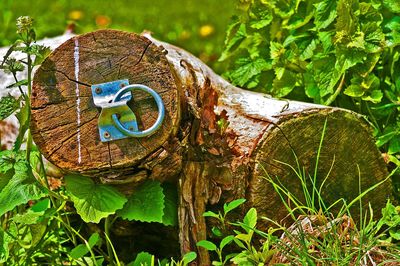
{"x": 117, "y": 120}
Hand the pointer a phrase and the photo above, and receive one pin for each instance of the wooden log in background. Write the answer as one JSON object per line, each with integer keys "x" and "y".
{"x": 217, "y": 141}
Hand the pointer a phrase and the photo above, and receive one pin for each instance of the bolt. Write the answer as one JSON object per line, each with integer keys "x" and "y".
{"x": 131, "y": 128}
{"x": 98, "y": 90}
{"x": 106, "y": 135}
{"x": 122, "y": 85}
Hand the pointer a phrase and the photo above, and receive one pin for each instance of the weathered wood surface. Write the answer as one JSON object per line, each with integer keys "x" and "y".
{"x": 9, "y": 126}
{"x": 211, "y": 163}
{"x": 64, "y": 118}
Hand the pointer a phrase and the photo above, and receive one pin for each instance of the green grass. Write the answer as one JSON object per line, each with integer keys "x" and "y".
{"x": 178, "y": 22}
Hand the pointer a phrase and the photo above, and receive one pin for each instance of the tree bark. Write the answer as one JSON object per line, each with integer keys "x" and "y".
{"x": 217, "y": 141}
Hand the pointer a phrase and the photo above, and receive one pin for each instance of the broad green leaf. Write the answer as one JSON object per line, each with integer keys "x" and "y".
{"x": 247, "y": 69}
{"x": 8, "y": 105}
{"x": 347, "y": 58}
{"x": 170, "y": 216}
{"x": 394, "y": 144}
{"x": 143, "y": 259}
{"x": 279, "y": 71}
{"x": 309, "y": 50}
{"x": 189, "y": 257}
{"x": 233, "y": 205}
{"x": 246, "y": 238}
{"x": 216, "y": 231}
{"x": 5, "y": 240}
{"x": 28, "y": 218}
{"x": 243, "y": 259}
{"x": 225, "y": 241}
{"x": 325, "y": 14}
{"x": 93, "y": 201}
{"x": 41, "y": 205}
{"x": 146, "y": 203}
{"x": 294, "y": 38}
{"x": 392, "y": 5}
{"x": 261, "y": 16}
{"x": 346, "y": 22}
{"x": 88, "y": 261}
{"x": 5, "y": 177}
{"x": 94, "y": 239}
{"x": 354, "y": 91}
{"x": 238, "y": 242}
{"x": 21, "y": 188}
{"x": 390, "y": 215}
{"x": 375, "y": 96}
{"x": 252, "y": 45}
{"x": 325, "y": 37}
{"x": 325, "y": 74}
{"x": 236, "y": 34}
{"x": 210, "y": 246}
{"x": 310, "y": 87}
{"x": 276, "y": 51}
{"x": 250, "y": 219}
{"x": 373, "y": 37}
{"x": 285, "y": 8}
{"x": 383, "y": 139}
{"x": 284, "y": 85}
{"x": 392, "y": 27}
{"x": 7, "y": 160}
{"x": 393, "y": 24}
{"x": 395, "y": 234}
{"x": 81, "y": 250}
{"x": 367, "y": 87}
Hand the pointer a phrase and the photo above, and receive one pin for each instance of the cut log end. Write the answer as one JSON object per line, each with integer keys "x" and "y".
{"x": 64, "y": 118}
{"x": 348, "y": 162}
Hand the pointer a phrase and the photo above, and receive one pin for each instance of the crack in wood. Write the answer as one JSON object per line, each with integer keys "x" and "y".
{"x": 109, "y": 155}
{"x": 70, "y": 79}
{"x": 144, "y": 51}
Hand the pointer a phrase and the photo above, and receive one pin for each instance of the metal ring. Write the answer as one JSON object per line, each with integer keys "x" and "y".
{"x": 160, "y": 106}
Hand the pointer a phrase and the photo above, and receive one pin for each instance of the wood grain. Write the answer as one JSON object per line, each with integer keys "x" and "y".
{"x": 104, "y": 56}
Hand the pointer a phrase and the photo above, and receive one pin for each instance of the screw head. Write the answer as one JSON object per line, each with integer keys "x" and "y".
{"x": 98, "y": 90}
{"x": 106, "y": 135}
{"x": 122, "y": 85}
{"x": 131, "y": 128}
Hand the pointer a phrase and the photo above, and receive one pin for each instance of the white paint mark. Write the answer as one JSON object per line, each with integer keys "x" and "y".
{"x": 78, "y": 100}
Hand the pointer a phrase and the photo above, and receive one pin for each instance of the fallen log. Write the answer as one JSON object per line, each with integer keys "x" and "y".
{"x": 216, "y": 142}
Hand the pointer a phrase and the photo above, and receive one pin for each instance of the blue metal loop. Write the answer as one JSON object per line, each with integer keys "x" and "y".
{"x": 160, "y": 106}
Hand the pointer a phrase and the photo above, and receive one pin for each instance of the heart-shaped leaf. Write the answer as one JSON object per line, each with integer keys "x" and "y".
{"x": 93, "y": 201}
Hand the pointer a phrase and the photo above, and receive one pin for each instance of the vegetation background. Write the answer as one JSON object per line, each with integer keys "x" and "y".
{"x": 198, "y": 26}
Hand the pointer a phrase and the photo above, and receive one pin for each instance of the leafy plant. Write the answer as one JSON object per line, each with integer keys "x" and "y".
{"x": 93, "y": 201}
{"x": 250, "y": 254}
{"x": 391, "y": 219}
{"x": 17, "y": 185}
{"x": 221, "y": 217}
{"x": 341, "y": 52}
